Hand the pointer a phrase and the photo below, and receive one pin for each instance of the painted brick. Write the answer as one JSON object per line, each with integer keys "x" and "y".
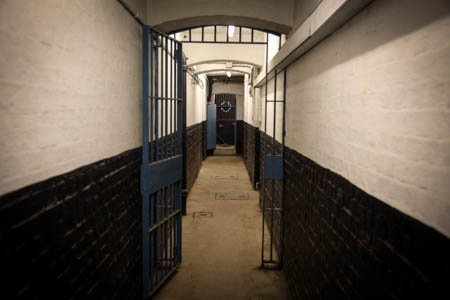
{"x": 70, "y": 85}
{"x": 371, "y": 103}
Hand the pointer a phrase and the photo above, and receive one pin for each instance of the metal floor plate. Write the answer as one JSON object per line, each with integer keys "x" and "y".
{"x": 232, "y": 196}
{"x": 224, "y": 177}
{"x": 203, "y": 214}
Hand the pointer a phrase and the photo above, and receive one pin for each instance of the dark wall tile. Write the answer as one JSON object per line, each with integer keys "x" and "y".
{"x": 194, "y": 152}
{"x": 250, "y": 154}
{"x": 75, "y": 236}
{"x": 341, "y": 243}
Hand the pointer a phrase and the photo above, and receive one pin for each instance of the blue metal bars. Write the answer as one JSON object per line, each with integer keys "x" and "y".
{"x": 161, "y": 177}
{"x": 273, "y": 181}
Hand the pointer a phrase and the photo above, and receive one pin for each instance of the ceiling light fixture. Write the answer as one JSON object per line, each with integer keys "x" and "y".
{"x": 228, "y": 74}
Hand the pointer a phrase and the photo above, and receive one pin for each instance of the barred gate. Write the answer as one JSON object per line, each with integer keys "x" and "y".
{"x": 161, "y": 172}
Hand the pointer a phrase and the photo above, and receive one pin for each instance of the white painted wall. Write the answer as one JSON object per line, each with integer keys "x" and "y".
{"x": 139, "y": 8}
{"x": 249, "y": 104}
{"x": 274, "y": 44}
{"x": 274, "y": 109}
{"x": 70, "y": 87}
{"x": 196, "y": 95}
{"x": 302, "y": 9}
{"x": 372, "y": 103}
{"x": 197, "y": 53}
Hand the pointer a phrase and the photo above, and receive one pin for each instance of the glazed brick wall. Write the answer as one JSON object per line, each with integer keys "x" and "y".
{"x": 239, "y": 137}
{"x": 341, "y": 243}
{"x": 250, "y": 152}
{"x": 194, "y": 153}
{"x": 277, "y": 186}
{"x": 204, "y": 152}
{"x": 75, "y": 236}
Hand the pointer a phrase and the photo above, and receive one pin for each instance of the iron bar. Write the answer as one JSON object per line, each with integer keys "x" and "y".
{"x": 166, "y": 113}
{"x": 284, "y": 182}
{"x": 151, "y": 97}
{"x": 166, "y": 121}
{"x": 225, "y": 42}
{"x": 166, "y": 154}
{"x": 176, "y": 95}
{"x": 145, "y": 158}
{"x": 159, "y": 231}
{"x": 152, "y": 143}
{"x": 171, "y": 226}
{"x": 180, "y": 119}
{"x": 265, "y": 151}
{"x": 170, "y": 94}
{"x": 273, "y": 153}
{"x": 156, "y": 125}
{"x": 240, "y": 34}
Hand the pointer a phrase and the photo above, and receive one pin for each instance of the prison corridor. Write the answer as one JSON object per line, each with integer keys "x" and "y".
{"x": 222, "y": 239}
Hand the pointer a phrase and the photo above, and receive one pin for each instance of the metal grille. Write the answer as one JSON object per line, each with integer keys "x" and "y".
{"x": 226, "y": 118}
{"x": 273, "y": 172}
{"x": 161, "y": 158}
{"x": 220, "y": 34}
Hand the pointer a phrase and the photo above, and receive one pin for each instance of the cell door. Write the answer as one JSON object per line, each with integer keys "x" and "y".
{"x": 161, "y": 171}
{"x": 226, "y": 119}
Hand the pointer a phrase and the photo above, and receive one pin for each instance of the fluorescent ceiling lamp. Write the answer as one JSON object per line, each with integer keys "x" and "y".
{"x": 230, "y": 30}
{"x": 228, "y": 74}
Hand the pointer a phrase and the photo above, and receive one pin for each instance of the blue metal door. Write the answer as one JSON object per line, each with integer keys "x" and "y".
{"x": 211, "y": 127}
{"x": 161, "y": 171}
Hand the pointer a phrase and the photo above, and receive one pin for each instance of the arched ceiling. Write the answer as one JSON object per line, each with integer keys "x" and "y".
{"x": 174, "y": 15}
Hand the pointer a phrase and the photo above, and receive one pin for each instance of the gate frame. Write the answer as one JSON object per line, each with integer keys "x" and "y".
{"x": 154, "y": 160}
{"x": 273, "y": 169}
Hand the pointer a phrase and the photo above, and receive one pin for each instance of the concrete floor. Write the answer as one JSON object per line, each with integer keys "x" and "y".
{"x": 221, "y": 254}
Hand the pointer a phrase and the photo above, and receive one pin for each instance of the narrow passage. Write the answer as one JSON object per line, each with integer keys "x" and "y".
{"x": 222, "y": 240}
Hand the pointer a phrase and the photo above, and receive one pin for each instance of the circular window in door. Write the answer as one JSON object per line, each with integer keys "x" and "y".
{"x": 225, "y": 106}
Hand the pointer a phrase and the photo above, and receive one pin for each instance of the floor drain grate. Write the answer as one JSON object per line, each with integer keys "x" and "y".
{"x": 232, "y": 196}
{"x": 224, "y": 177}
{"x": 202, "y": 214}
